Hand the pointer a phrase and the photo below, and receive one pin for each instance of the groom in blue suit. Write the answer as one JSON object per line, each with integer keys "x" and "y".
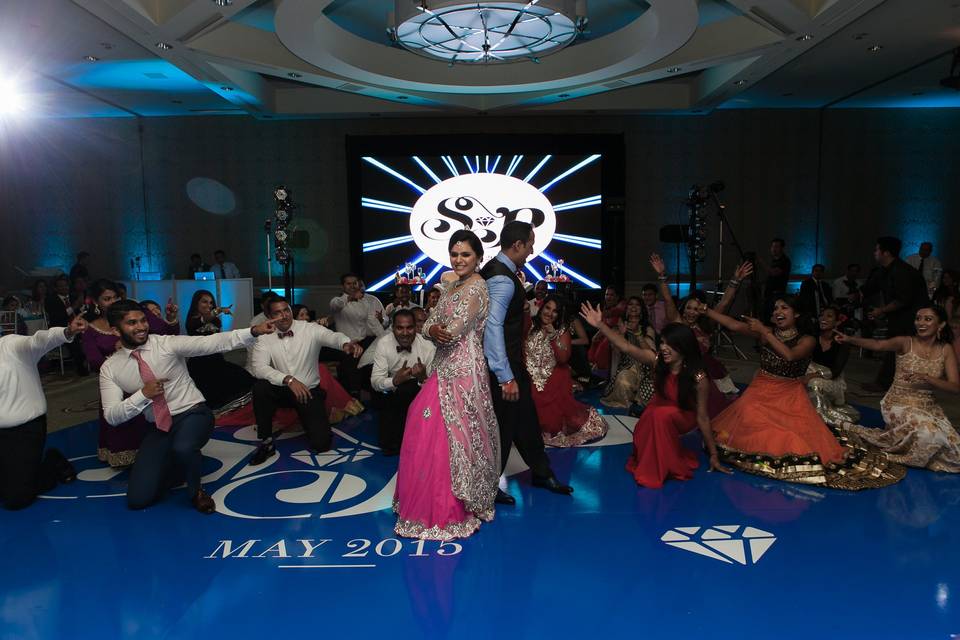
{"x": 503, "y": 347}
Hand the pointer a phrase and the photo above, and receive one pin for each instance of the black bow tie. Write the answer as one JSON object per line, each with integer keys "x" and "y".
{"x": 285, "y": 334}
{"x": 402, "y": 349}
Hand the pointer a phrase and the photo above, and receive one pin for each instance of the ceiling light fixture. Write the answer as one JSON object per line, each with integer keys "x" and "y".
{"x": 486, "y": 31}
{"x": 91, "y": 58}
{"x": 225, "y": 88}
{"x": 740, "y": 83}
{"x": 223, "y": 3}
{"x": 874, "y": 48}
{"x": 673, "y": 69}
{"x": 12, "y": 101}
{"x": 164, "y": 46}
{"x": 294, "y": 74}
{"x": 805, "y": 37}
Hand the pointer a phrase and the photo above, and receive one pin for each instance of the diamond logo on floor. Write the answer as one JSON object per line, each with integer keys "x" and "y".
{"x": 730, "y": 543}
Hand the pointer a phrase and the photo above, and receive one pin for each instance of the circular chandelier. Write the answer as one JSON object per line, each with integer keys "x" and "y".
{"x": 457, "y": 31}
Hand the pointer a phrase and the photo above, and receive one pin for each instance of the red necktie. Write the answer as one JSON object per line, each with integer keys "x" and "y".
{"x": 161, "y": 412}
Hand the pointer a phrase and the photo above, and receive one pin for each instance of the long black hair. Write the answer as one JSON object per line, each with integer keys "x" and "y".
{"x": 561, "y": 320}
{"x": 644, "y": 315}
{"x": 465, "y": 235}
{"x": 945, "y": 335}
{"x": 195, "y": 302}
{"x": 806, "y": 325}
{"x": 94, "y": 292}
{"x": 681, "y": 339}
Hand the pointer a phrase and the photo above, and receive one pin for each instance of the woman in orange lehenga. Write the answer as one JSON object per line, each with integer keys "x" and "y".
{"x": 773, "y": 429}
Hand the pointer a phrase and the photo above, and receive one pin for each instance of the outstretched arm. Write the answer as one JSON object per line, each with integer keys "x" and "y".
{"x": 594, "y": 318}
{"x": 899, "y": 344}
{"x": 725, "y": 321}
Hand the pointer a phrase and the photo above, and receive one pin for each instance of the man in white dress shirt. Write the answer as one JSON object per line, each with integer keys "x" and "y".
{"x": 287, "y": 365}
{"x": 401, "y": 364}
{"x": 148, "y": 375}
{"x": 360, "y": 318}
{"x": 929, "y": 266}
{"x": 223, "y": 270}
{"x": 401, "y": 300}
{"x": 24, "y": 469}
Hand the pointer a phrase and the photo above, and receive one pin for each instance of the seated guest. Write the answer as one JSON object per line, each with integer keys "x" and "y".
{"x": 564, "y": 422}
{"x": 12, "y": 303}
{"x": 612, "y": 308}
{"x": 358, "y": 316}
{"x": 631, "y": 381}
{"x": 148, "y": 375}
{"x": 151, "y": 307}
{"x": 61, "y": 309}
{"x": 197, "y": 265}
{"x": 303, "y": 312}
{"x": 825, "y": 383}
{"x": 918, "y": 433}
{"x": 815, "y": 293}
{"x": 433, "y": 297}
{"x": 223, "y": 384}
{"x": 25, "y": 471}
{"x": 678, "y": 406}
{"x": 402, "y": 362}
{"x": 656, "y": 309}
{"x": 37, "y": 304}
{"x": 287, "y": 375}
{"x": 401, "y": 300}
{"x": 539, "y": 295}
{"x": 222, "y": 269}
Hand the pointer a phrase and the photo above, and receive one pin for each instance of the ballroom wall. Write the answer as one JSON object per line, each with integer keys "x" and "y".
{"x": 122, "y": 187}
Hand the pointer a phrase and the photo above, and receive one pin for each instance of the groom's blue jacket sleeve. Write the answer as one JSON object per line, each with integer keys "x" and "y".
{"x": 500, "y": 290}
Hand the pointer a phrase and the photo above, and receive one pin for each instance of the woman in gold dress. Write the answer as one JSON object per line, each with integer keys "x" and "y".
{"x": 918, "y": 433}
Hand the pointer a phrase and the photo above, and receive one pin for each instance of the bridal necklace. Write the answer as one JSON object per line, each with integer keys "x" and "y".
{"x": 786, "y": 334}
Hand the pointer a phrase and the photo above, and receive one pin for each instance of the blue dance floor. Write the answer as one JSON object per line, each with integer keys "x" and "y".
{"x": 304, "y": 547}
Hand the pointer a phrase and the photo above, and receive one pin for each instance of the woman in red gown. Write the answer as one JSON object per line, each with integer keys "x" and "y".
{"x": 564, "y": 422}
{"x": 678, "y": 406}
{"x": 612, "y": 310}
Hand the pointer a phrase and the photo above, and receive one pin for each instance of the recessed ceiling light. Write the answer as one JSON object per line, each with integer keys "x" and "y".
{"x": 564, "y": 95}
{"x": 164, "y": 46}
{"x": 805, "y": 37}
{"x": 294, "y": 74}
{"x": 91, "y": 58}
{"x": 673, "y": 69}
{"x": 223, "y": 3}
{"x": 874, "y": 48}
{"x": 740, "y": 83}
{"x": 225, "y": 88}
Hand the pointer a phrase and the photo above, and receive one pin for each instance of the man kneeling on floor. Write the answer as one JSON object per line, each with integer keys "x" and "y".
{"x": 24, "y": 469}
{"x": 287, "y": 367}
{"x": 151, "y": 371}
{"x": 402, "y": 362}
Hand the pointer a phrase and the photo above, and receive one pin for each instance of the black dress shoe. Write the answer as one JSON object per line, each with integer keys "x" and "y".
{"x": 504, "y": 498}
{"x": 550, "y": 483}
{"x": 64, "y": 470}
{"x": 263, "y": 452}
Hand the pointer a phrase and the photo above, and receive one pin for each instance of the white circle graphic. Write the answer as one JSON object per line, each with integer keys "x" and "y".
{"x": 483, "y": 203}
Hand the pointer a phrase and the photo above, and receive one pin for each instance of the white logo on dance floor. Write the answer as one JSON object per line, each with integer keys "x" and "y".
{"x": 728, "y": 543}
{"x": 483, "y": 203}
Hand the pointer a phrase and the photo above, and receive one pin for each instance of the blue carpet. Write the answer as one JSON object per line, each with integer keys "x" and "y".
{"x": 304, "y": 547}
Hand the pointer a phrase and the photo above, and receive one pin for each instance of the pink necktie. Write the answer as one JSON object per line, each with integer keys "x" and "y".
{"x": 161, "y": 412}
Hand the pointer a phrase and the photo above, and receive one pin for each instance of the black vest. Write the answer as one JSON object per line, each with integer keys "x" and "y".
{"x": 513, "y": 322}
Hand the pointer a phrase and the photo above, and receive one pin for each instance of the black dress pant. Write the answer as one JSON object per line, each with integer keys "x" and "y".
{"x": 519, "y": 424}
{"x": 24, "y": 471}
{"x": 165, "y": 457}
{"x": 267, "y": 398}
{"x": 393, "y": 408}
{"x": 350, "y": 375}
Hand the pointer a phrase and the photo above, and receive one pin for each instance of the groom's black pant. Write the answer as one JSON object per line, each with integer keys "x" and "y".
{"x": 519, "y": 424}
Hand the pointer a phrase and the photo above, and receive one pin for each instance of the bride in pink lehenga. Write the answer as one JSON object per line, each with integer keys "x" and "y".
{"x": 450, "y": 457}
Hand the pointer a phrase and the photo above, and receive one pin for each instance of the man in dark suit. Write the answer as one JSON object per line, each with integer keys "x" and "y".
{"x": 503, "y": 347}
{"x": 815, "y": 292}
{"x": 904, "y": 291}
{"x": 61, "y": 308}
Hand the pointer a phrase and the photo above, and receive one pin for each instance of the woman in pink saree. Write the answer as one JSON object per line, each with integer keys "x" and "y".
{"x": 450, "y": 457}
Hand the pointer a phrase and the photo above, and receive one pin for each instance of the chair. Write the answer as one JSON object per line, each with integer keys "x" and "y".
{"x": 8, "y": 322}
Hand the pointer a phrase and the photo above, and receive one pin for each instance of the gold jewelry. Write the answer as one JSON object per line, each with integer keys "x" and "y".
{"x": 783, "y": 336}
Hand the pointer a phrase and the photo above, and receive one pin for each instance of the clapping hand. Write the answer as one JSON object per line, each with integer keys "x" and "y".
{"x": 591, "y": 314}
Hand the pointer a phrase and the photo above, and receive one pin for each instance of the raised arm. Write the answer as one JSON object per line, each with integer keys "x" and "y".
{"x": 670, "y": 308}
{"x": 594, "y": 318}
{"x": 730, "y": 293}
